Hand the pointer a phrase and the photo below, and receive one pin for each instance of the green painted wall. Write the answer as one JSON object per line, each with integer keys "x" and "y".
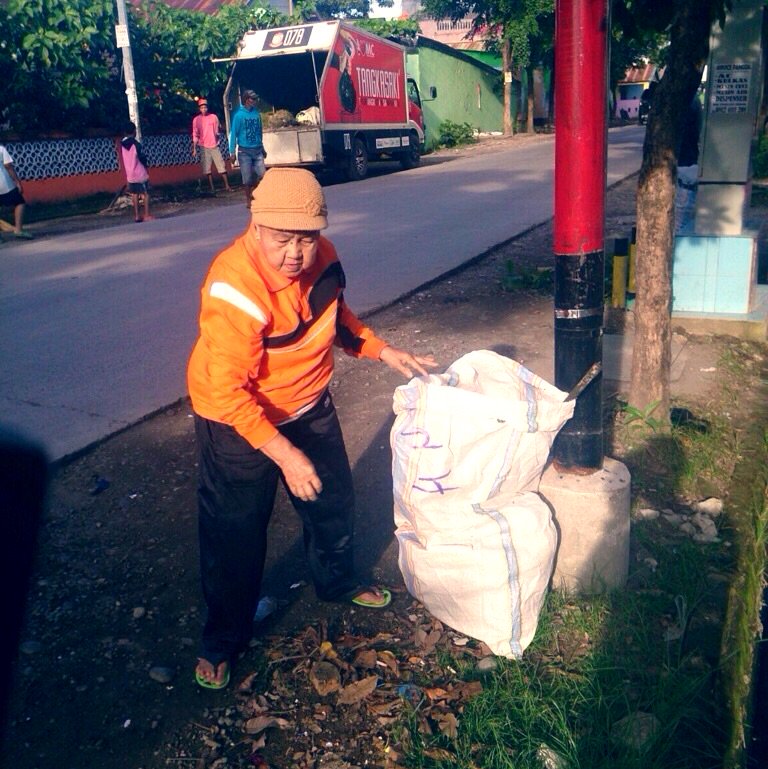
{"x": 467, "y": 91}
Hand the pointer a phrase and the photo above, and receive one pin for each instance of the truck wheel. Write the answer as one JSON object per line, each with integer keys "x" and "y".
{"x": 411, "y": 157}
{"x": 357, "y": 167}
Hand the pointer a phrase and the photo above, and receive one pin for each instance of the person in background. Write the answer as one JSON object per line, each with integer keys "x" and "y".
{"x": 12, "y": 193}
{"x": 688, "y": 168}
{"x": 136, "y": 174}
{"x": 272, "y": 310}
{"x": 245, "y": 136}
{"x": 205, "y": 140}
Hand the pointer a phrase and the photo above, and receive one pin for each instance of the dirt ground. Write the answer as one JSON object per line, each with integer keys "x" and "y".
{"x": 104, "y": 676}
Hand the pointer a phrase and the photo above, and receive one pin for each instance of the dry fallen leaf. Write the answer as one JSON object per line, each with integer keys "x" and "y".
{"x": 255, "y": 706}
{"x": 259, "y": 743}
{"x": 381, "y": 638}
{"x": 387, "y": 720}
{"x": 358, "y": 690}
{"x": 246, "y": 685}
{"x": 366, "y": 658}
{"x": 468, "y": 689}
{"x": 325, "y": 678}
{"x": 327, "y": 651}
{"x": 260, "y": 723}
{"x": 436, "y": 693}
{"x": 448, "y": 725}
{"x": 427, "y": 638}
{"x": 424, "y": 726}
{"x": 389, "y": 659}
{"x": 383, "y": 708}
{"x": 440, "y": 754}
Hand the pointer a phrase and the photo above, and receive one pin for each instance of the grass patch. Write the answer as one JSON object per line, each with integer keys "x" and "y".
{"x": 601, "y": 687}
{"x": 517, "y": 278}
{"x": 742, "y": 625}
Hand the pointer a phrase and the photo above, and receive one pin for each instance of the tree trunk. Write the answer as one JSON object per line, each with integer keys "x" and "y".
{"x": 531, "y": 100}
{"x": 506, "y": 72}
{"x": 651, "y": 360}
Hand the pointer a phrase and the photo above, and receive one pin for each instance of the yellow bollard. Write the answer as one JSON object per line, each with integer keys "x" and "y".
{"x": 632, "y": 261}
{"x": 619, "y": 274}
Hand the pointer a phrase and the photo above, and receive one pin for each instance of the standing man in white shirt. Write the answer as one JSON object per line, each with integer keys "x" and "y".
{"x": 11, "y": 193}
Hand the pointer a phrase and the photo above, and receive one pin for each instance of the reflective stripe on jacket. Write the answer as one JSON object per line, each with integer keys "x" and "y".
{"x": 264, "y": 354}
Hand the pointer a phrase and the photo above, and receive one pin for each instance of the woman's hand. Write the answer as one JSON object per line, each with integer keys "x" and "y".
{"x": 298, "y": 471}
{"x": 407, "y": 363}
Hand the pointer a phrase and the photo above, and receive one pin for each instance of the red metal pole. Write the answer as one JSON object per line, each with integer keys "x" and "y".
{"x": 581, "y": 67}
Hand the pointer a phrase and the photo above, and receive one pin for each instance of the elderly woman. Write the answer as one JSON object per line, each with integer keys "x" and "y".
{"x": 272, "y": 310}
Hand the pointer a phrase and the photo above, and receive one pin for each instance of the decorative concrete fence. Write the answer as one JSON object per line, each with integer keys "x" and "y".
{"x": 62, "y": 169}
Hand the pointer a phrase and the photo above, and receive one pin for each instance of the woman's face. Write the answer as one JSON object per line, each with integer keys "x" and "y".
{"x": 288, "y": 252}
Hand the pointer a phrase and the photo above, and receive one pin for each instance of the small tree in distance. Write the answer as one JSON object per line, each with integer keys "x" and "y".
{"x": 521, "y": 26}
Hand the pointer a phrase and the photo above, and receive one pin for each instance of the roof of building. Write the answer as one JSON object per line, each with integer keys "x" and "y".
{"x": 428, "y": 42}
{"x": 643, "y": 74}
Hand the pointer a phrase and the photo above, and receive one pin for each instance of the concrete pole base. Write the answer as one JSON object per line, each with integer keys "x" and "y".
{"x": 591, "y": 513}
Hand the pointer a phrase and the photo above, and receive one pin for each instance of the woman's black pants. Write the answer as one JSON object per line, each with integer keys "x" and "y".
{"x": 236, "y": 494}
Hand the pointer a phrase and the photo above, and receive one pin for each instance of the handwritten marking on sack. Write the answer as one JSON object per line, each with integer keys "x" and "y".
{"x": 425, "y": 439}
{"x": 439, "y": 488}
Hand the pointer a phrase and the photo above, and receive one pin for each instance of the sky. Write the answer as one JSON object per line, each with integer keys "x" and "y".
{"x": 394, "y": 12}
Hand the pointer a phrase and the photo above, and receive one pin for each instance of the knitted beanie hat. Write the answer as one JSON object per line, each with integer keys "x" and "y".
{"x": 289, "y": 199}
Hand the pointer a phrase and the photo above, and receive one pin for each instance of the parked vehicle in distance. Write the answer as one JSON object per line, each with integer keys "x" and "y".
{"x": 330, "y": 95}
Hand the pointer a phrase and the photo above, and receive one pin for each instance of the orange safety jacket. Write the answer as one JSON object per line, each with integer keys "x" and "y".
{"x": 264, "y": 355}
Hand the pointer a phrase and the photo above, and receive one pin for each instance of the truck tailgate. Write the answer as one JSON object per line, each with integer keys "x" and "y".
{"x": 293, "y": 145}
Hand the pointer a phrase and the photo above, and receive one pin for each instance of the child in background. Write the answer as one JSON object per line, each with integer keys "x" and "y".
{"x": 135, "y": 165}
{"x": 11, "y": 195}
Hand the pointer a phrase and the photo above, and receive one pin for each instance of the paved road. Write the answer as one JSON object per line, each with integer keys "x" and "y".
{"x": 95, "y": 327}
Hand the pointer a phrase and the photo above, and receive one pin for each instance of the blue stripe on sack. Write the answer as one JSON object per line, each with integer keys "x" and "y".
{"x": 501, "y": 476}
{"x": 530, "y": 397}
{"x": 409, "y": 573}
{"x": 512, "y": 573}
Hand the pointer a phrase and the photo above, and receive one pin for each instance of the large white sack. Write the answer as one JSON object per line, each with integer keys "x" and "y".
{"x": 489, "y": 582}
{"x": 484, "y": 427}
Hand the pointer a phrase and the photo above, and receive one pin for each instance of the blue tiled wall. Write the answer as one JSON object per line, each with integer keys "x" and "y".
{"x": 713, "y": 274}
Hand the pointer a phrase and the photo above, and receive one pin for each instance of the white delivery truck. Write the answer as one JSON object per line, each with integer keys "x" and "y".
{"x": 330, "y": 94}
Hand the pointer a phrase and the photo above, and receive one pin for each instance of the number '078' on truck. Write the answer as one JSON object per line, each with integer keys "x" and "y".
{"x": 330, "y": 95}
